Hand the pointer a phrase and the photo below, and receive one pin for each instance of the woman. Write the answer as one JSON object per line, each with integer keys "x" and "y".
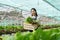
{"x": 34, "y": 14}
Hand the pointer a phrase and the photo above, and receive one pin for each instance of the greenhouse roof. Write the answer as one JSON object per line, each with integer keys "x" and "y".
{"x": 44, "y": 7}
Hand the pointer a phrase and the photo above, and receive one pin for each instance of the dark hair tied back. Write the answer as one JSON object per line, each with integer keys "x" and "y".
{"x": 35, "y": 11}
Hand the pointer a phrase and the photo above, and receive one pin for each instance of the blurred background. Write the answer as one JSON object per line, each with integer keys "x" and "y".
{"x": 14, "y": 11}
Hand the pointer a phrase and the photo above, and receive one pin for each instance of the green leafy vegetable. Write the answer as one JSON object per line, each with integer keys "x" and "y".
{"x": 29, "y": 20}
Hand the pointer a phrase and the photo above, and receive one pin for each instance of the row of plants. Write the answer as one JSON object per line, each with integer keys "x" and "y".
{"x": 10, "y": 28}
{"x": 14, "y": 28}
{"x": 50, "y": 26}
{"x": 39, "y": 34}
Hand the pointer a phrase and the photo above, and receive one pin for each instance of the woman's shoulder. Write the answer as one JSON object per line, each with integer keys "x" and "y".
{"x": 38, "y": 16}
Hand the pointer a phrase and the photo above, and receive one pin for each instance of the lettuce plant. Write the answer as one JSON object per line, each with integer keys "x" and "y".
{"x": 29, "y": 20}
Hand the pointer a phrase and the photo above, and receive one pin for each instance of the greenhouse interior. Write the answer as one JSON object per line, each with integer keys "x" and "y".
{"x": 29, "y": 19}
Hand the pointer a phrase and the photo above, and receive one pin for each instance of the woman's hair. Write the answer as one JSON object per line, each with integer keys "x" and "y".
{"x": 35, "y": 11}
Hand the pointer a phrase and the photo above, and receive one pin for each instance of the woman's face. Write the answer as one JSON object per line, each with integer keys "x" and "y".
{"x": 32, "y": 11}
